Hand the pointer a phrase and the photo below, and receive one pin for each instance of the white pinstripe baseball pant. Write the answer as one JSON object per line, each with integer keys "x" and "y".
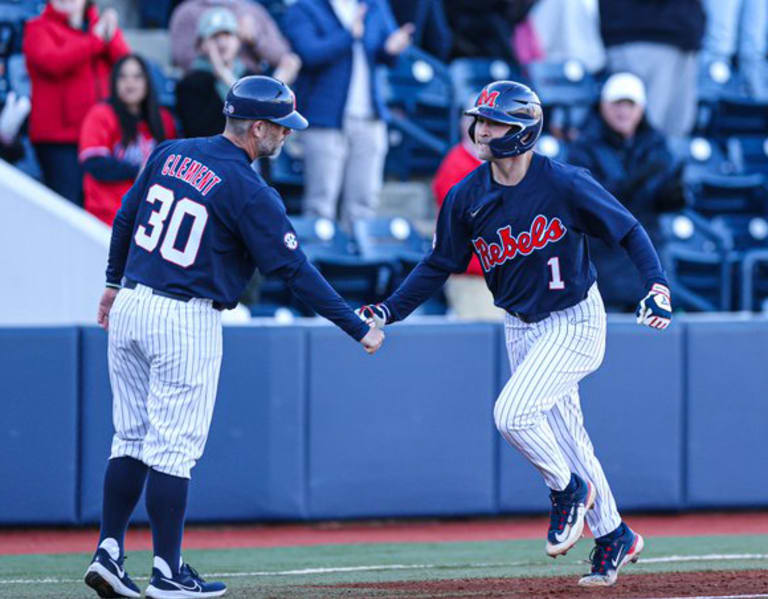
{"x": 164, "y": 362}
{"x": 539, "y": 411}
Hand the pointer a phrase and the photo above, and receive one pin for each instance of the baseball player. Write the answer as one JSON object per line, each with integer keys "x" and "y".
{"x": 185, "y": 242}
{"x": 527, "y": 219}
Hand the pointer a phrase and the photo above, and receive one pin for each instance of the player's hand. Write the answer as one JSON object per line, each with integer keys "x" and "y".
{"x": 373, "y": 340}
{"x": 105, "y": 305}
{"x": 655, "y": 309}
{"x": 288, "y": 67}
{"x": 399, "y": 39}
{"x": 376, "y": 315}
{"x": 106, "y": 26}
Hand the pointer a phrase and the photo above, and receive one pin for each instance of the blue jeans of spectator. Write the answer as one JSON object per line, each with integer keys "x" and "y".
{"x": 61, "y": 170}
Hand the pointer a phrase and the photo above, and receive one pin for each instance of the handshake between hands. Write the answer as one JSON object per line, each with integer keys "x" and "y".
{"x": 376, "y": 316}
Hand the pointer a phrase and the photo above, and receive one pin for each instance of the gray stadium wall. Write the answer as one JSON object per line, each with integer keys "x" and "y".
{"x": 307, "y": 426}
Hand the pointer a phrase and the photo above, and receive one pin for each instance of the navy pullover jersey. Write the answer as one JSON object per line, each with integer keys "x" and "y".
{"x": 531, "y": 239}
{"x": 199, "y": 220}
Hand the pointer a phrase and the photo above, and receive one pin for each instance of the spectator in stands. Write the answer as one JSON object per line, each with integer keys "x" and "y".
{"x": 632, "y": 161}
{"x": 430, "y": 25}
{"x": 569, "y": 29}
{"x": 200, "y": 94}
{"x": 70, "y": 51}
{"x": 12, "y": 116}
{"x": 467, "y": 294}
{"x": 659, "y": 41}
{"x": 340, "y": 42}
{"x": 485, "y": 28}
{"x": 262, "y": 43}
{"x": 119, "y": 135}
{"x": 739, "y": 27}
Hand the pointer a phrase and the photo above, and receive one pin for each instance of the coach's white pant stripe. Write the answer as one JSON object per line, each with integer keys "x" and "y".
{"x": 165, "y": 358}
{"x": 539, "y": 412}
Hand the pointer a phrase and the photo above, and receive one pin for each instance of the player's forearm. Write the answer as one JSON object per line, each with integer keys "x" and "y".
{"x": 310, "y": 286}
{"x": 118, "y": 249}
{"x": 423, "y": 282}
{"x": 643, "y": 255}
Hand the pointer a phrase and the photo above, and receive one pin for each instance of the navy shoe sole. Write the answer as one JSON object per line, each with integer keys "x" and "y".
{"x": 97, "y": 576}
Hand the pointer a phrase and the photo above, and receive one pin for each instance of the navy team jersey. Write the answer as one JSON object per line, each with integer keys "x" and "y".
{"x": 199, "y": 220}
{"x": 531, "y": 238}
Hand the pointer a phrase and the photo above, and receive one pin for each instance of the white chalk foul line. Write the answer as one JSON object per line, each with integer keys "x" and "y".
{"x": 392, "y": 567}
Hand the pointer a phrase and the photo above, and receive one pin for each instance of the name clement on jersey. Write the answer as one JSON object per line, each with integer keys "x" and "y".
{"x": 198, "y": 175}
{"x": 542, "y": 232}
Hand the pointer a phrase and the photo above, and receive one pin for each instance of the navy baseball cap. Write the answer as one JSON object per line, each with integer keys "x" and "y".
{"x": 258, "y": 97}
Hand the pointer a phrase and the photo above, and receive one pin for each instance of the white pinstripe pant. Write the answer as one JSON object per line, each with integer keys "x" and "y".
{"x": 164, "y": 362}
{"x": 539, "y": 412}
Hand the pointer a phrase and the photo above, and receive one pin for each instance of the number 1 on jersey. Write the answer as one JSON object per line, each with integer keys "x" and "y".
{"x": 555, "y": 282}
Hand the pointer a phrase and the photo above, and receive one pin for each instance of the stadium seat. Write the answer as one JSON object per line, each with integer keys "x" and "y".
{"x": 470, "y": 75}
{"x": 738, "y": 116}
{"x": 567, "y": 91}
{"x": 700, "y": 157}
{"x": 696, "y": 260}
{"x": 357, "y": 279}
{"x": 419, "y": 94}
{"x": 712, "y": 194}
{"x": 750, "y": 153}
{"x": 754, "y": 281}
{"x": 391, "y": 239}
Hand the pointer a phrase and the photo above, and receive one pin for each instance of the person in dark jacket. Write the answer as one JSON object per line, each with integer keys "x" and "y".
{"x": 200, "y": 94}
{"x": 431, "y": 31}
{"x": 340, "y": 42}
{"x": 631, "y": 160}
{"x": 485, "y": 28}
{"x": 659, "y": 40}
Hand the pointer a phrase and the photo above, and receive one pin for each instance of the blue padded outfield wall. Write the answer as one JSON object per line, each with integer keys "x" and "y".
{"x": 307, "y": 426}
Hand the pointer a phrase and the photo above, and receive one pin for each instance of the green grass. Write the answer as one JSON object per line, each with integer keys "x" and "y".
{"x": 263, "y": 573}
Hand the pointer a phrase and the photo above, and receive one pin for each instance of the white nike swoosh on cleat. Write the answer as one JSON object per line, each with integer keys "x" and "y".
{"x": 120, "y": 571}
{"x": 617, "y": 560}
{"x": 196, "y": 587}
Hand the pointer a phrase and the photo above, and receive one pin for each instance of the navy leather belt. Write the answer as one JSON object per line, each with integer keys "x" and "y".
{"x": 129, "y": 284}
{"x": 530, "y": 319}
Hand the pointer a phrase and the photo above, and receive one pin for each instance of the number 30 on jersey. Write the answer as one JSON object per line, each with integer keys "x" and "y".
{"x": 147, "y": 236}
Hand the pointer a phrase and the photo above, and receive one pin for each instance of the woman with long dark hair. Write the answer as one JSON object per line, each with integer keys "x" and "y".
{"x": 118, "y": 136}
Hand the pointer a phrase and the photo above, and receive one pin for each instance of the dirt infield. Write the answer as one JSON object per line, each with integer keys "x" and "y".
{"x": 26, "y": 541}
{"x": 631, "y": 586}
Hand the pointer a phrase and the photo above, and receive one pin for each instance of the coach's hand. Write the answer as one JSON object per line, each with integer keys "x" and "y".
{"x": 376, "y": 315}
{"x": 373, "y": 340}
{"x": 655, "y": 309}
{"x": 105, "y": 305}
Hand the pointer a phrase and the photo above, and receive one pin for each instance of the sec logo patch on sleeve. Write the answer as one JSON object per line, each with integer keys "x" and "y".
{"x": 290, "y": 241}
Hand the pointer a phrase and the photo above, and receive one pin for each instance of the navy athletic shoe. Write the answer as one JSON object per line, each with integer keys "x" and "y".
{"x": 566, "y": 518}
{"x": 188, "y": 583}
{"x": 610, "y": 553}
{"x": 106, "y": 575}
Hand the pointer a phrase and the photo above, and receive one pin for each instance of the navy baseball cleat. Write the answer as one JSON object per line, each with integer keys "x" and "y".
{"x": 610, "y": 553}
{"x": 106, "y": 575}
{"x": 187, "y": 583}
{"x": 566, "y": 518}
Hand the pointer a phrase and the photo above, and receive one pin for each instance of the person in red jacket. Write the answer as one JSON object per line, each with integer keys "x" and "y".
{"x": 70, "y": 51}
{"x": 119, "y": 135}
{"x": 467, "y": 294}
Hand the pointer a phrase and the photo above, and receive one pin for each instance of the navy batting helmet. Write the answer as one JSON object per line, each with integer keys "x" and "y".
{"x": 261, "y": 98}
{"x": 513, "y": 104}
